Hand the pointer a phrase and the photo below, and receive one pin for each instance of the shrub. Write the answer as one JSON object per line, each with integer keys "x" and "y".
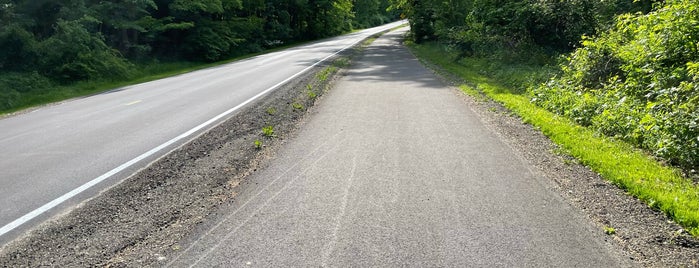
{"x": 14, "y": 85}
{"x": 73, "y": 54}
{"x": 18, "y": 51}
{"x": 638, "y": 82}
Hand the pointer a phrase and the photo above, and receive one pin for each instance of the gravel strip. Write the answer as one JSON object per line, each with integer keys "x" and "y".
{"x": 140, "y": 221}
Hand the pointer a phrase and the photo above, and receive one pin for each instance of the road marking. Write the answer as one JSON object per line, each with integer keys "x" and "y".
{"x": 35, "y": 213}
{"x": 133, "y": 102}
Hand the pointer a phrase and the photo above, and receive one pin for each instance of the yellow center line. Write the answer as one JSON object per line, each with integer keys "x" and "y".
{"x": 133, "y": 102}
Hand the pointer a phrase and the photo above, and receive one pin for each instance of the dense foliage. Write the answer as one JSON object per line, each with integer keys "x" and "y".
{"x": 45, "y": 42}
{"x": 509, "y": 27}
{"x": 627, "y": 69}
{"x": 639, "y": 82}
{"x": 632, "y": 67}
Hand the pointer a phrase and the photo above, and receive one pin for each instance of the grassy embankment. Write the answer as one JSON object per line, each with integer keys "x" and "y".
{"x": 140, "y": 73}
{"x": 55, "y": 92}
{"x": 660, "y": 186}
{"x": 47, "y": 91}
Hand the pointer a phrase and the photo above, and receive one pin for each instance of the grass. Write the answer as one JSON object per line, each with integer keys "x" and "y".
{"x": 660, "y": 186}
{"x": 142, "y": 72}
{"x": 311, "y": 94}
{"x": 341, "y": 62}
{"x": 325, "y": 73}
{"x": 271, "y": 111}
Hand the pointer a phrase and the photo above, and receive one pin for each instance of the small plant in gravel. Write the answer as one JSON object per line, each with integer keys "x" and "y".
{"x": 309, "y": 91}
{"x": 609, "y": 230}
{"x": 311, "y": 94}
{"x": 297, "y": 106}
{"x": 258, "y": 144}
{"x": 325, "y": 73}
{"x": 268, "y": 131}
{"x": 271, "y": 111}
{"x": 341, "y": 62}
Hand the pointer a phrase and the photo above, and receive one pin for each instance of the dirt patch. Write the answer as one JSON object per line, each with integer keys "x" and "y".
{"x": 140, "y": 221}
{"x": 646, "y": 235}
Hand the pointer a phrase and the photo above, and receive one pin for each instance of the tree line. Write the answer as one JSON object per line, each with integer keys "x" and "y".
{"x": 62, "y": 41}
{"x": 627, "y": 69}
{"x": 484, "y": 27}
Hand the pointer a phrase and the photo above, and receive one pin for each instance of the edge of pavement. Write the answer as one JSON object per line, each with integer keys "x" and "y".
{"x": 282, "y": 216}
{"x": 645, "y": 234}
{"x": 140, "y": 219}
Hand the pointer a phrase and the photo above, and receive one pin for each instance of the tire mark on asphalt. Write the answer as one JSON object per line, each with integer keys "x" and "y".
{"x": 338, "y": 220}
{"x": 254, "y": 198}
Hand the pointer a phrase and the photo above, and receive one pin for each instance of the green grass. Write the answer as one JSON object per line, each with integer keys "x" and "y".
{"x": 324, "y": 74}
{"x": 341, "y": 62}
{"x": 141, "y": 73}
{"x": 660, "y": 186}
{"x": 271, "y": 111}
{"x": 311, "y": 94}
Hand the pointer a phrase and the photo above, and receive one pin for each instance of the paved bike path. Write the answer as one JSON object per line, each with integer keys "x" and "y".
{"x": 394, "y": 169}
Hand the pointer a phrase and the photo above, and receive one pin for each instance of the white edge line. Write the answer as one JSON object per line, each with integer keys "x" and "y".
{"x": 31, "y": 215}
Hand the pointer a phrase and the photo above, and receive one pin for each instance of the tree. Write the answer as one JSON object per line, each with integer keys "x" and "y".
{"x": 73, "y": 53}
{"x": 124, "y": 23}
{"x": 328, "y": 17}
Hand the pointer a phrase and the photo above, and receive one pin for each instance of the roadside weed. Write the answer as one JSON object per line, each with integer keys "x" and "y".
{"x": 325, "y": 73}
{"x": 268, "y": 131}
{"x": 271, "y": 111}
{"x": 297, "y": 106}
{"x": 609, "y": 230}
{"x": 341, "y": 62}
{"x": 258, "y": 144}
{"x": 311, "y": 94}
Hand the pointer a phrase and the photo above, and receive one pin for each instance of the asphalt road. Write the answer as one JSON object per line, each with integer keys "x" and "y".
{"x": 394, "y": 169}
{"x": 58, "y": 155}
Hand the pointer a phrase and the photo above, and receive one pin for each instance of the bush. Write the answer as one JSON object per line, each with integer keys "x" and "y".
{"x": 15, "y": 85}
{"x": 74, "y": 54}
{"x": 18, "y": 51}
{"x": 638, "y": 82}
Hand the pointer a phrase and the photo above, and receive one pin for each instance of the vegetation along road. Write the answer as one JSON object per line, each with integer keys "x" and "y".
{"x": 394, "y": 169}
{"x": 550, "y": 133}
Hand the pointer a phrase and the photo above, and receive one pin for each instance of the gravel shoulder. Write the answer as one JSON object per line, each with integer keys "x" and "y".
{"x": 395, "y": 169}
{"x": 142, "y": 219}
{"x": 148, "y": 217}
{"x": 646, "y": 235}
